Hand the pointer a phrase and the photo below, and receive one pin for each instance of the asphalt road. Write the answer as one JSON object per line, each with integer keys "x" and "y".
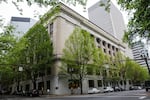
{"x": 125, "y": 95}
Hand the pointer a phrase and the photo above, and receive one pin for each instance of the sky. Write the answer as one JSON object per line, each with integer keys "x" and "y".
{"x": 8, "y": 9}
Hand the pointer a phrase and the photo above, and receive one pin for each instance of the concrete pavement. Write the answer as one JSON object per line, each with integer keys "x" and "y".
{"x": 124, "y": 95}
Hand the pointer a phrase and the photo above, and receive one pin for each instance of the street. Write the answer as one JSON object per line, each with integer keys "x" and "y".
{"x": 125, "y": 95}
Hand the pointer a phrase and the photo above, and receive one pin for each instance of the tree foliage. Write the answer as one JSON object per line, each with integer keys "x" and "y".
{"x": 33, "y": 52}
{"x": 38, "y": 50}
{"x": 135, "y": 72}
{"x": 120, "y": 60}
{"x": 99, "y": 60}
{"x": 7, "y": 42}
{"x": 79, "y": 49}
{"x": 139, "y": 23}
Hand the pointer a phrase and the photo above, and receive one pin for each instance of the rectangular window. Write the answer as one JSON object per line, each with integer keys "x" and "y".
{"x": 89, "y": 71}
{"x": 48, "y": 71}
{"x": 46, "y": 27}
{"x": 72, "y": 70}
{"x": 105, "y": 73}
{"x": 41, "y": 74}
{"x": 73, "y": 83}
{"x": 27, "y": 87}
{"x": 113, "y": 47}
{"x": 99, "y": 82}
{"x": 108, "y": 45}
{"x": 98, "y": 40}
{"x": 40, "y": 85}
{"x": 51, "y": 29}
{"x": 48, "y": 84}
{"x": 130, "y": 82}
{"x": 109, "y": 52}
{"x": 97, "y": 72}
{"x": 105, "y": 51}
{"x": 91, "y": 83}
{"x": 91, "y": 35}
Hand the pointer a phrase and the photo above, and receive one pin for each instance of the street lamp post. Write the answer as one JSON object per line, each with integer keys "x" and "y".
{"x": 0, "y": 81}
{"x": 145, "y": 56}
{"x": 20, "y": 70}
{"x": 71, "y": 72}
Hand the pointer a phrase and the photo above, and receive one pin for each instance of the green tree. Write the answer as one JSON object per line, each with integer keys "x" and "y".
{"x": 33, "y": 52}
{"x": 99, "y": 61}
{"x": 136, "y": 73}
{"x": 111, "y": 71}
{"x": 7, "y": 42}
{"x": 139, "y": 23}
{"x": 38, "y": 51}
{"x": 120, "y": 60}
{"x": 79, "y": 51}
{"x": 17, "y": 58}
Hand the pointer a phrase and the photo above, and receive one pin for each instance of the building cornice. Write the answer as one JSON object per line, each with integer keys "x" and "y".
{"x": 84, "y": 21}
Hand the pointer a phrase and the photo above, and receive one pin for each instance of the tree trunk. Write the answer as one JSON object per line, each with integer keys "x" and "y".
{"x": 81, "y": 84}
{"x": 34, "y": 84}
{"x": 34, "y": 81}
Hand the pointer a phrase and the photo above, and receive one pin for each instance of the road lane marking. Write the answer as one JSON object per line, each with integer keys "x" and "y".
{"x": 143, "y": 97}
{"x": 101, "y": 96}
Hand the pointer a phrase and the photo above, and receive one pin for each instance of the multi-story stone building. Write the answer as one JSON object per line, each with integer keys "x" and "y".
{"x": 60, "y": 26}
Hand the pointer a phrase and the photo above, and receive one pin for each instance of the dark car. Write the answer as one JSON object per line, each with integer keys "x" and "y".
{"x": 117, "y": 89}
{"x": 5, "y": 92}
{"x": 147, "y": 85}
{"x": 132, "y": 88}
{"x": 32, "y": 93}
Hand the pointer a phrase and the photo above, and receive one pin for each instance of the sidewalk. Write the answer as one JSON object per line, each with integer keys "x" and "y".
{"x": 65, "y": 95}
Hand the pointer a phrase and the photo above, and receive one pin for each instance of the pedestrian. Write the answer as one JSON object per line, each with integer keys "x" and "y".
{"x": 48, "y": 91}
{"x": 42, "y": 90}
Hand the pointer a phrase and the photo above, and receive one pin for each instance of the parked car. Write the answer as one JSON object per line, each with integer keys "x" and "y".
{"x": 93, "y": 90}
{"x": 118, "y": 89}
{"x": 135, "y": 88}
{"x": 32, "y": 93}
{"x": 108, "y": 89}
{"x": 5, "y": 92}
{"x": 147, "y": 85}
{"x": 139, "y": 87}
{"x": 131, "y": 88}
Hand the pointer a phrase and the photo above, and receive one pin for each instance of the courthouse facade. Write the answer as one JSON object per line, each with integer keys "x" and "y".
{"x": 60, "y": 26}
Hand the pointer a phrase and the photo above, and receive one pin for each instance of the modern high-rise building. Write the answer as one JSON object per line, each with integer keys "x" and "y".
{"x": 111, "y": 22}
{"x": 138, "y": 49}
{"x": 22, "y": 25}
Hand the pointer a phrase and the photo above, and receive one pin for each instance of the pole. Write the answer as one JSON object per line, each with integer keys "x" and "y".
{"x": 147, "y": 65}
{"x": 0, "y": 81}
{"x": 145, "y": 56}
{"x": 71, "y": 83}
{"x": 71, "y": 72}
{"x": 18, "y": 83}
